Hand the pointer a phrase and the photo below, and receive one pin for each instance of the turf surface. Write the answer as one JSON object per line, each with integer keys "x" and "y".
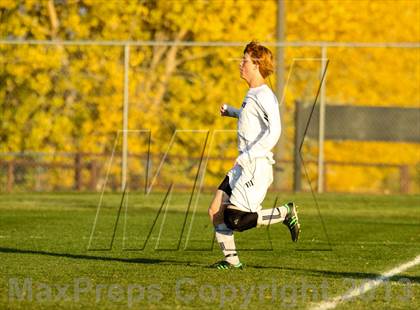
{"x": 160, "y": 261}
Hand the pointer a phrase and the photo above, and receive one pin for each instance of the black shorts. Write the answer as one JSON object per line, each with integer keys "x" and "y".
{"x": 238, "y": 220}
{"x": 224, "y": 186}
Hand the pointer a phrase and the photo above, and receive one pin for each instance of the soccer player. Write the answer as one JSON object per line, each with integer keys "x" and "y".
{"x": 236, "y": 205}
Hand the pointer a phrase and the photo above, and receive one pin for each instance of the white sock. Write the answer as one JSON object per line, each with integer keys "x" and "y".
{"x": 272, "y": 216}
{"x": 224, "y": 237}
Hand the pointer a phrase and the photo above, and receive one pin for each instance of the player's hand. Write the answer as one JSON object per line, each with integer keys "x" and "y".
{"x": 223, "y": 110}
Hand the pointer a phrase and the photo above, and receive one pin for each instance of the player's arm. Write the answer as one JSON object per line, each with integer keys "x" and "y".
{"x": 227, "y": 110}
{"x": 270, "y": 115}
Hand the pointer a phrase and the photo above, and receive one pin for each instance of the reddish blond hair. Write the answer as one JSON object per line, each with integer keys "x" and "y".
{"x": 261, "y": 56}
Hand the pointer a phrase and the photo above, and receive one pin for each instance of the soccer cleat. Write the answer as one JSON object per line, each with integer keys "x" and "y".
{"x": 292, "y": 221}
{"x": 224, "y": 265}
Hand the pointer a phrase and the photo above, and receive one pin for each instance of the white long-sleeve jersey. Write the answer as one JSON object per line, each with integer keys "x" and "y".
{"x": 259, "y": 125}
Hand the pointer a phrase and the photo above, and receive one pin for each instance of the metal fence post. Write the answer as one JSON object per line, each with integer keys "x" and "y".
{"x": 404, "y": 179}
{"x": 10, "y": 175}
{"x": 78, "y": 171}
{"x": 297, "y": 171}
{"x": 280, "y": 154}
{"x": 125, "y": 117}
{"x": 93, "y": 175}
{"x": 322, "y": 122}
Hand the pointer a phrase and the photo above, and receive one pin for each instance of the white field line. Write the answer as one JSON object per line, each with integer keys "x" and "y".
{"x": 367, "y": 286}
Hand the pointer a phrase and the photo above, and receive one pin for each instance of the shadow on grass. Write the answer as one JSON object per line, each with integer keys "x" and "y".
{"x": 102, "y": 258}
{"x": 342, "y": 274}
{"x": 326, "y": 273}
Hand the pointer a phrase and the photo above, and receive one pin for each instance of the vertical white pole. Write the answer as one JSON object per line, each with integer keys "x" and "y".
{"x": 125, "y": 118}
{"x": 322, "y": 122}
{"x": 279, "y": 148}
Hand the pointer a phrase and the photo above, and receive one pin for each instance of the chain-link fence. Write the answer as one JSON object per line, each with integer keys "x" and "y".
{"x": 92, "y": 115}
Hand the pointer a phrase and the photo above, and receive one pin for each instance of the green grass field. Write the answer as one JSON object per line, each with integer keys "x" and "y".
{"x": 160, "y": 262}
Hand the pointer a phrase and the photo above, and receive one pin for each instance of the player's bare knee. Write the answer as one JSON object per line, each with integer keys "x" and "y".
{"x": 211, "y": 212}
{"x": 213, "y": 209}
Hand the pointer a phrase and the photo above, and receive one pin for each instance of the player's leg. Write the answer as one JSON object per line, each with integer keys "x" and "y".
{"x": 222, "y": 196}
{"x": 225, "y": 239}
{"x": 286, "y": 214}
{"x": 223, "y": 234}
{"x": 224, "y": 231}
{"x": 238, "y": 220}
{"x": 217, "y": 207}
{"x": 275, "y": 215}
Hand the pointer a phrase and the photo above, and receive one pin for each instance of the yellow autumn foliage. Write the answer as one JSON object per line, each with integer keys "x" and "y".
{"x": 68, "y": 98}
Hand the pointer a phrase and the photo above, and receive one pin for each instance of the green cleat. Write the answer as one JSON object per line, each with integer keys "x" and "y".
{"x": 224, "y": 265}
{"x": 292, "y": 221}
